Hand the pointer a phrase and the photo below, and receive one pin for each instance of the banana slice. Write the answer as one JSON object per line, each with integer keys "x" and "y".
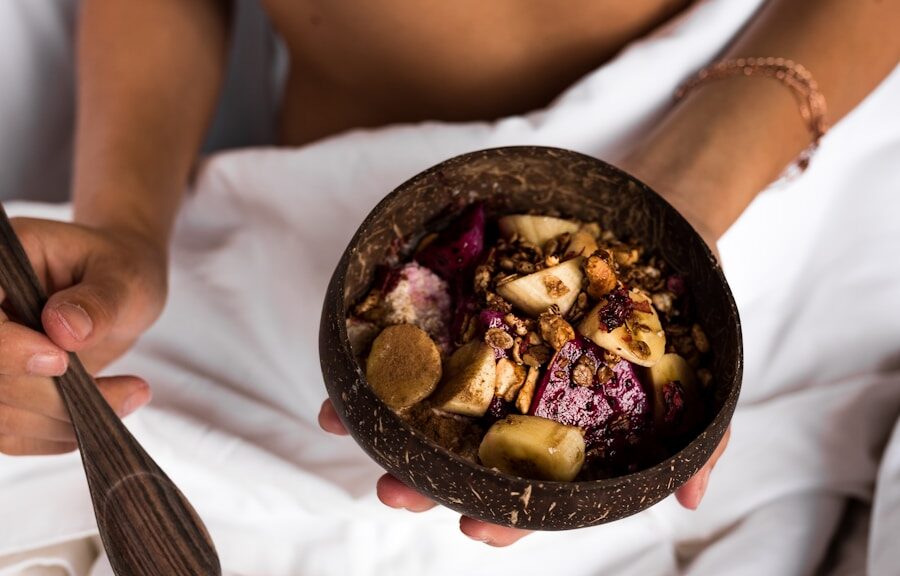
{"x": 470, "y": 376}
{"x": 536, "y": 292}
{"x": 676, "y": 399}
{"x": 640, "y": 341}
{"x": 533, "y": 447}
{"x": 535, "y": 229}
{"x": 404, "y": 365}
{"x": 510, "y": 378}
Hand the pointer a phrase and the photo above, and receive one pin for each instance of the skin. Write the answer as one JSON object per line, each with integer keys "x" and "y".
{"x": 141, "y": 121}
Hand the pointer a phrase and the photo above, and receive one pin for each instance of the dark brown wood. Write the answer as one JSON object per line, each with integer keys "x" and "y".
{"x": 147, "y": 526}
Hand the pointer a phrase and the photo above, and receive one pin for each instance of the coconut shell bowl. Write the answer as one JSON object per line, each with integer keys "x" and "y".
{"x": 516, "y": 180}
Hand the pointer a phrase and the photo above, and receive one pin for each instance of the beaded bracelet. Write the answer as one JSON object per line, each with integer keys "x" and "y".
{"x": 789, "y": 73}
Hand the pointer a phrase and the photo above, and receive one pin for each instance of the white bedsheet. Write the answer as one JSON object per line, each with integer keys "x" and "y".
{"x": 813, "y": 264}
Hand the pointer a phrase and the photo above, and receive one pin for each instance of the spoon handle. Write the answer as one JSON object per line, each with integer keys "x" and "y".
{"x": 147, "y": 526}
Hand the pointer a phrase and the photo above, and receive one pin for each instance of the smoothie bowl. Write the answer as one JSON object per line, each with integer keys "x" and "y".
{"x": 533, "y": 338}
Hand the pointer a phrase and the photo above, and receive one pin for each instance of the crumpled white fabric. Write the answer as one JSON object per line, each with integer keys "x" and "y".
{"x": 234, "y": 361}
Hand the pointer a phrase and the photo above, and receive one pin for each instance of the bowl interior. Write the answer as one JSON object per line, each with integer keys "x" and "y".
{"x": 556, "y": 182}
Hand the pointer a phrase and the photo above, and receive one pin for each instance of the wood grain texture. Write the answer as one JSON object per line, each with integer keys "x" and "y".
{"x": 146, "y": 524}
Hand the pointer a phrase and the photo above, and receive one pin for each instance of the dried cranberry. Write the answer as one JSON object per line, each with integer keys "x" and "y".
{"x": 617, "y": 309}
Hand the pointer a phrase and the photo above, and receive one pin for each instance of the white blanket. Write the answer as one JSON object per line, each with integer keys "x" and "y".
{"x": 234, "y": 365}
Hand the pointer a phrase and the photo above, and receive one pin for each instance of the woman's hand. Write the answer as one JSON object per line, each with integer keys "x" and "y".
{"x": 105, "y": 288}
{"x": 395, "y": 494}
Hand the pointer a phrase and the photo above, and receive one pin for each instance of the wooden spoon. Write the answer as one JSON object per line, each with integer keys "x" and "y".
{"x": 147, "y": 526}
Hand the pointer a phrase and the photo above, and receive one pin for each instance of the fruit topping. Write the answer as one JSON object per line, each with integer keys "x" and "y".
{"x": 626, "y": 324}
{"x": 676, "y": 402}
{"x": 557, "y": 285}
{"x": 599, "y": 273}
{"x": 533, "y": 447}
{"x": 535, "y": 229}
{"x": 457, "y": 248}
{"x": 403, "y": 366}
{"x": 467, "y": 386}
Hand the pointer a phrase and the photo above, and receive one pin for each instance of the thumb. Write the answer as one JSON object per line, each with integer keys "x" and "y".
{"x": 81, "y": 316}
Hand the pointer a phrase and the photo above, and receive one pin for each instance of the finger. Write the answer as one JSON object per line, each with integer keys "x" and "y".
{"x": 491, "y": 534}
{"x": 396, "y": 494}
{"x": 82, "y": 316}
{"x": 691, "y": 493}
{"x": 16, "y": 446}
{"x": 24, "y": 351}
{"x": 330, "y": 421}
{"x": 25, "y": 424}
{"x": 124, "y": 394}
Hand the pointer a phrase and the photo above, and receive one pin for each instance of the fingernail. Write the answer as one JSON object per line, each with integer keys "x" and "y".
{"x": 46, "y": 364}
{"x": 132, "y": 403}
{"x": 75, "y": 320}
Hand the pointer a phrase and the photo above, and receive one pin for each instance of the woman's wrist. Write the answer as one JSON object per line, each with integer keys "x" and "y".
{"x": 127, "y": 209}
{"x": 714, "y": 152}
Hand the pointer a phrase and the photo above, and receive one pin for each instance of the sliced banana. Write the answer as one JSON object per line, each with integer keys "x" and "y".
{"x": 536, "y": 292}
{"x": 510, "y": 378}
{"x": 675, "y": 393}
{"x": 533, "y": 447}
{"x": 535, "y": 229}
{"x": 404, "y": 365}
{"x": 640, "y": 341}
{"x": 470, "y": 376}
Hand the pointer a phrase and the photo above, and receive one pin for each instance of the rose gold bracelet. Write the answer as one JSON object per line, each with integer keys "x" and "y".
{"x": 789, "y": 73}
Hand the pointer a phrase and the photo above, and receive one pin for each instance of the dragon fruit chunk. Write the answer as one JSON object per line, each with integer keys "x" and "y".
{"x": 457, "y": 248}
{"x": 611, "y": 405}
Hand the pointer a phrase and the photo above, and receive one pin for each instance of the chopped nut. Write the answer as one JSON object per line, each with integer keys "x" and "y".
{"x": 507, "y": 264}
{"x": 610, "y": 359}
{"x": 554, "y": 330}
{"x": 700, "y": 339}
{"x": 369, "y": 303}
{"x": 496, "y": 302}
{"x": 551, "y": 261}
{"x": 537, "y": 355}
{"x": 604, "y": 374}
{"x": 626, "y": 256}
{"x": 510, "y": 378}
{"x": 499, "y": 338}
{"x": 601, "y": 278}
{"x": 482, "y": 278}
{"x": 524, "y": 268}
{"x": 470, "y": 328}
{"x": 517, "y": 351}
{"x": 556, "y": 288}
{"x": 663, "y": 301}
{"x": 583, "y": 373}
{"x": 582, "y": 244}
{"x": 517, "y": 324}
{"x": 523, "y": 401}
{"x": 705, "y": 377}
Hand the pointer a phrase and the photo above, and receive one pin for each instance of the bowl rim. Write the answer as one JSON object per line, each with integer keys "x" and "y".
{"x": 724, "y": 412}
